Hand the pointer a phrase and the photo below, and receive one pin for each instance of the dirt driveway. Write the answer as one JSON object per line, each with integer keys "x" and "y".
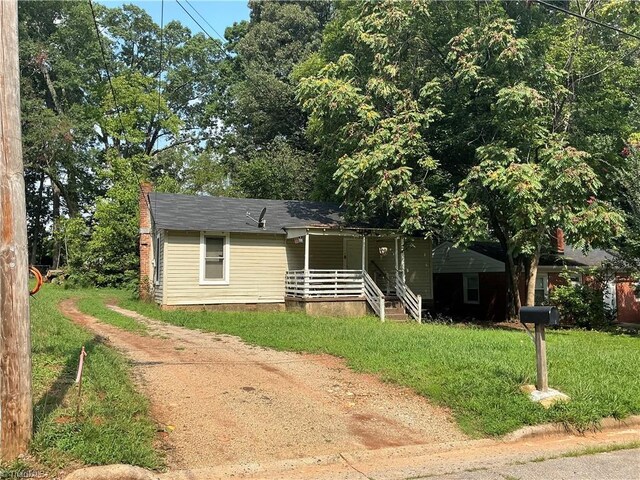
{"x": 223, "y": 401}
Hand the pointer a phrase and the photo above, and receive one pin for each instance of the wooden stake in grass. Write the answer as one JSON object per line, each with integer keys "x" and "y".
{"x": 83, "y": 354}
{"x": 16, "y": 411}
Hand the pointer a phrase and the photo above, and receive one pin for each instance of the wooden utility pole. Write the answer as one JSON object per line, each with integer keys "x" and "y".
{"x": 16, "y": 414}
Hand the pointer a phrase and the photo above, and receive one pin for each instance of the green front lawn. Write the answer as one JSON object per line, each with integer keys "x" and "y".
{"x": 476, "y": 372}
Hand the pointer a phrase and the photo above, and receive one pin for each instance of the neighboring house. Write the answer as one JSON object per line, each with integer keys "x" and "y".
{"x": 216, "y": 252}
{"x": 472, "y": 282}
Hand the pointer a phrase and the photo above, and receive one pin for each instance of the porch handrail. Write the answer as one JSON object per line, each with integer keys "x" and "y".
{"x": 411, "y": 302}
{"x": 387, "y": 281}
{"x": 374, "y": 295}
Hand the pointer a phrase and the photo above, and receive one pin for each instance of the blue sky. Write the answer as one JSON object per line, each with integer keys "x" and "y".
{"x": 219, "y": 13}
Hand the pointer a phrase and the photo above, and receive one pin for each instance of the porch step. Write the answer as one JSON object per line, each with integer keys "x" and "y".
{"x": 394, "y": 310}
{"x": 396, "y": 317}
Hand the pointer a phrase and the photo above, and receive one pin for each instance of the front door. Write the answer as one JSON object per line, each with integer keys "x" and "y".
{"x": 353, "y": 253}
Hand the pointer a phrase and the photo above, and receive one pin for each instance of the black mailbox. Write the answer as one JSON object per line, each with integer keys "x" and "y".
{"x": 541, "y": 315}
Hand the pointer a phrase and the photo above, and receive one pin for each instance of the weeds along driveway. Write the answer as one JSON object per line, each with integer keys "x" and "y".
{"x": 220, "y": 400}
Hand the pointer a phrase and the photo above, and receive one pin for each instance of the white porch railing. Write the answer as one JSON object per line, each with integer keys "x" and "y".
{"x": 412, "y": 302}
{"x": 335, "y": 283}
{"x": 374, "y": 295}
{"x": 324, "y": 283}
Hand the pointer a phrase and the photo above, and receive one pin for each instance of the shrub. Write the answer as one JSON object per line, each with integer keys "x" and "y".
{"x": 583, "y": 305}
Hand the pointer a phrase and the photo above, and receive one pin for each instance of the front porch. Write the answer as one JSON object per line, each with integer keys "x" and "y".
{"x": 367, "y": 269}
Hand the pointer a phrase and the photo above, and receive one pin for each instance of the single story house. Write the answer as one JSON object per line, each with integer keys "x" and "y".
{"x": 242, "y": 253}
{"x": 472, "y": 282}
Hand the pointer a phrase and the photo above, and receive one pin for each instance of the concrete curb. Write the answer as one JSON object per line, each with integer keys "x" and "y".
{"x": 110, "y": 472}
{"x": 395, "y": 463}
{"x": 549, "y": 429}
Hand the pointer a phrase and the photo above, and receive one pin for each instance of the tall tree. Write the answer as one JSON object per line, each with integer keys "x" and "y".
{"x": 260, "y": 111}
{"x": 410, "y": 98}
{"x": 152, "y": 92}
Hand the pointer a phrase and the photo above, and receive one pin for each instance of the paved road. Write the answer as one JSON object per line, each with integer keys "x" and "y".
{"x": 620, "y": 465}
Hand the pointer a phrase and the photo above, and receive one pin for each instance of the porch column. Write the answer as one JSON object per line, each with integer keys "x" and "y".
{"x": 364, "y": 251}
{"x": 395, "y": 254}
{"x": 402, "y": 260}
{"x": 306, "y": 252}
{"x": 306, "y": 264}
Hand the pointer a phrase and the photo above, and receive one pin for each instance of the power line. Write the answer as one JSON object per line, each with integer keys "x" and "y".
{"x": 205, "y": 20}
{"x": 201, "y": 27}
{"x": 115, "y": 98}
{"x": 160, "y": 68}
{"x": 587, "y": 19}
{"x": 161, "y": 50}
{"x": 106, "y": 67}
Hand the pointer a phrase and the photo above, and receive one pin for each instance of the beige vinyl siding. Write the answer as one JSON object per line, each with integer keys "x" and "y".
{"x": 257, "y": 267}
{"x": 449, "y": 259}
{"x": 158, "y": 288}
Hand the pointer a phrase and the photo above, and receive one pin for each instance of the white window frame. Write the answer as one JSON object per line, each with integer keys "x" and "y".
{"x": 156, "y": 259}
{"x": 225, "y": 258}
{"x": 465, "y": 289}
{"x": 636, "y": 291}
{"x": 545, "y": 286}
{"x": 575, "y": 283}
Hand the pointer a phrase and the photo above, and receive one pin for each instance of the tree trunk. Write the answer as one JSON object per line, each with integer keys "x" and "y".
{"x": 57, "y": 247}
{"x": 532, "y": 274}
{"x": 37, "y": 223}
{"x": 513, "y": 277}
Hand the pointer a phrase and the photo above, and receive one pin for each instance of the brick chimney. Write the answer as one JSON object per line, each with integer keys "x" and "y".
{"x": 146, "y": 240}
{"x": 557, "y": 241}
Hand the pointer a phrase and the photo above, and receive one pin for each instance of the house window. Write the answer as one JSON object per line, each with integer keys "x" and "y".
{"x": 542, "y": 289}
{"x": 575, "y": 279}
{"x": 471, "y": 288}
{"x": 214, "y": 259}
{"x": 636, "y": 292}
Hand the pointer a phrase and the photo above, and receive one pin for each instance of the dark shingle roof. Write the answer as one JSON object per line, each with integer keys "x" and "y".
{"x": 572, "y": 257}
{"x": 191, "y": 212}
{"x": 489, "y": 249}
{"x": 576, "y": 258}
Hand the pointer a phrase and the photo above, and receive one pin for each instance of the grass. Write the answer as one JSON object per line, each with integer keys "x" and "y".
{"x": 94, "y": 305}
{"x": 602, "y": 449}
{"x": 476, "y": 372}
{"x": 114, "y": 425}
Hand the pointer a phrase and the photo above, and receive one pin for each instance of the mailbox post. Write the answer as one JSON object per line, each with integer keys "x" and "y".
{"x": 540, "y": 317}
{"x": 542, "y": 378}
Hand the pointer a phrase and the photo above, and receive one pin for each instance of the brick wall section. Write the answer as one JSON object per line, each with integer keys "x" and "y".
{"x": 145, "y": 241}
{"x": 628, "y": 306}
{"x": 556, "y": 238}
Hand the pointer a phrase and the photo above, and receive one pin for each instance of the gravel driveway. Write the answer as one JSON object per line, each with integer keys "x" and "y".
{"x": 222, "y": 401}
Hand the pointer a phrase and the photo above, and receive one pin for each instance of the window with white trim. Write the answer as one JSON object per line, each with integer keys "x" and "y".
{"x": 471, "y": 288}
{"x": 542, "y": 289}
{"x": 214, "y": 259}
{"x": 636, "y": 292}
{"x": 575, "y": 279}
